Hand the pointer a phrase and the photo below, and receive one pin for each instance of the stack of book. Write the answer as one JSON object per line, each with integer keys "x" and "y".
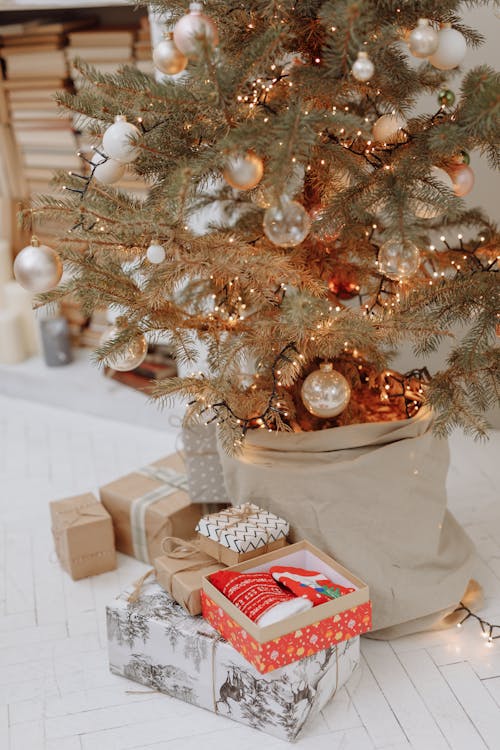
{"x": 35, "y": 67}
{"x": 142, "y": 48}
{"x": 105, "y": 49}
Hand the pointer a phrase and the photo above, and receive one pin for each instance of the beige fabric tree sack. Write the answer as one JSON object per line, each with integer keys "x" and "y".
{"x": 373, "y": 496}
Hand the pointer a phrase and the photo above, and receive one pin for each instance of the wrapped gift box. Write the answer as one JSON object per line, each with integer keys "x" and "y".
{"x": 241, "y": 533}
{"x": 180, "y": 571}
{"x": 203, "y": 467}
{"x": 83, "y": 536}
{"x": 273, "y": 646}
{"x": 154, "y": 642}
{"x": 148, "y": 505}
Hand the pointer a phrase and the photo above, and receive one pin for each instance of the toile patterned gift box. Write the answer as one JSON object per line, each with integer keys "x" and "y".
{"x": 241, "y": 533}
{"x": 203, "y": 467}
{"x": 83, "y": 536}
{"x": 273, "y": 646}
{"x": 153, "y": 641}
{"x": 148, "y": 505}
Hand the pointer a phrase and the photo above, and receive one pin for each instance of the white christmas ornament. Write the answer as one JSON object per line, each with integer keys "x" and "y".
{"x": 167, "y": 57}
{"x": 387, "y": 129}
{"x": 325, "y": 392}
{"x": 244, "y": 171}
{"x": 363, "y": 68}
{"x": 195, "y": 30}
{"x": 117, "y": 139}
{"x": 451, "y": 49}
{"x": 423, "y": 40}
{"x": 38, "y": 268}
{"x": 287, "y": 223}
{"x": 107, "y": 171}
{"x": 156, "y": 253}
{"x": 398, "y": 260}
{"x": 130, "y": 356}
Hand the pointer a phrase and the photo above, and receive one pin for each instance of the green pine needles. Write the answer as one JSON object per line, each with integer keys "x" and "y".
{"x": 279, "y": 84}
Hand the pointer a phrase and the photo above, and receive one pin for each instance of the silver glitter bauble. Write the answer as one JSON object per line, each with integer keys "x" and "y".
{"x": 423, "y": 40}
{"x": 286, "y": 224}
{"x": 194, "y": 31}
{"x": 363, "y": 68}
{"x": 398, "y": 259}
{"x": 116, "y": 141}
{"x": 387, "y": 129}
{"x": 451, "y": 49}
{"x": 130, "y": 356}
{"x": 38, "y": 268}
{"x": 325, "y": 392}
{"x": 244, "y": 171}
{"x": 108, "y": 171}
{"x": 167, "y": 57}
{"x": 156, "y": 253}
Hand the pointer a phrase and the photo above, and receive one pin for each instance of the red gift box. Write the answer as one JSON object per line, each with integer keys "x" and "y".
{"x": 289, "y": 640}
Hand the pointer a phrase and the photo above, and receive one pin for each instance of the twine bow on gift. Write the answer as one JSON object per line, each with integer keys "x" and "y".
{"x": 238, "y": 515}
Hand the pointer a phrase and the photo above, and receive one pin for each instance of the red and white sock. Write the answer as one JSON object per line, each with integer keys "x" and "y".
{"x": 258, "y": 596}
{"x": 309, "y": 584}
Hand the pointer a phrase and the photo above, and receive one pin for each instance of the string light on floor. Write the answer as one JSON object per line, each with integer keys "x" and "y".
{"x": 488, "y": 629}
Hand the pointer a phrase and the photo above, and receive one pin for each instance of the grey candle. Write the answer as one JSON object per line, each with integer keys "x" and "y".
{"x": 55, "y": 342}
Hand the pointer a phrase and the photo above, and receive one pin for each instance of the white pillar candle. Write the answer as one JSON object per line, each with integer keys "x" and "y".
{"x": 20, "y": 301}
{"x": 5, "y": 262}
{"x": 12, "y": 349}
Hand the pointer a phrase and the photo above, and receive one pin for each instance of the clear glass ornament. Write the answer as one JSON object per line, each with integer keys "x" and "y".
{"x": 451, "y": 49}
{"x": 244, "y": 171}
{"x": 423, "y": 40}
{"x": 387, "y": 129}
{"x": 287, "y": 223}
{"x": 37, "y": 268}
{"x": 363, "y": 68}
{"x": 130, "y": 356}
{"x": 116, "y": 141}
{"x": 325, "y": 392}
{"x": 195, "y": 30}
{"x": 108, "y": 171}
{"x": 398, "y": 259}
{"x": 167, "y": 57}
{"x": 156, "y": 253}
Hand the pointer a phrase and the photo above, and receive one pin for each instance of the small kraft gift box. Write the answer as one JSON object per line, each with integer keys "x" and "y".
{"x": 288, "y": 640}
{"x": 180, "y": 570}
{"x": 83, "y": 536}
{"x": 241, "y": 533}
{"x": 148, "y": 505}
{"x": 153, "y": 641}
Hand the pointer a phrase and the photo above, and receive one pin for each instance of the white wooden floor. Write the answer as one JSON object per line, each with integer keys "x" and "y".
{"x": 427, "y": 692}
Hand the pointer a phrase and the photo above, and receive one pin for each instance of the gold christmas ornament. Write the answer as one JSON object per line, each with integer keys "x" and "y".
{"x": 37, "y": 268}
{"x": 325, "y": 392}
{"x": 195, "y": 30}
{"x": 244, "y": 171}
{"x": 167, "y": 57}
{"x": 423, "y": 40}
{"x": 130, "y": 356}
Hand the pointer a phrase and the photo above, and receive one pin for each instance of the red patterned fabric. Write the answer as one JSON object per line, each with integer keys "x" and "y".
{"x": 253, "y": 593}
{"x": 309, "y": 584}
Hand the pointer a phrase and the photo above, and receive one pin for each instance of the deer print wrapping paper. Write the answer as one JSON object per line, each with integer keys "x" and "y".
{"x": 153, "y": 641}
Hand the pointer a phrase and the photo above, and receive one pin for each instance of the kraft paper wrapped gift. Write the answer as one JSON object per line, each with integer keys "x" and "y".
{"x": 241, "y": 533}
{"x": 154, "y": 642}
{"x": 270, "y": 647}
{"x": 83, "y": 536}
{"x": 180, "y": 570}
{"x": 148, "y": 505}
{"x": 203, "y": 467}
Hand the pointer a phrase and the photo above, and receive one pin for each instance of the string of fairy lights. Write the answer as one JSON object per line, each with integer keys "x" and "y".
{"x": 489, "y": 631}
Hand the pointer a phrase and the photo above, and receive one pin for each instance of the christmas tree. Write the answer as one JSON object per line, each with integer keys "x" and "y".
{"x": 301, "y": 211}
